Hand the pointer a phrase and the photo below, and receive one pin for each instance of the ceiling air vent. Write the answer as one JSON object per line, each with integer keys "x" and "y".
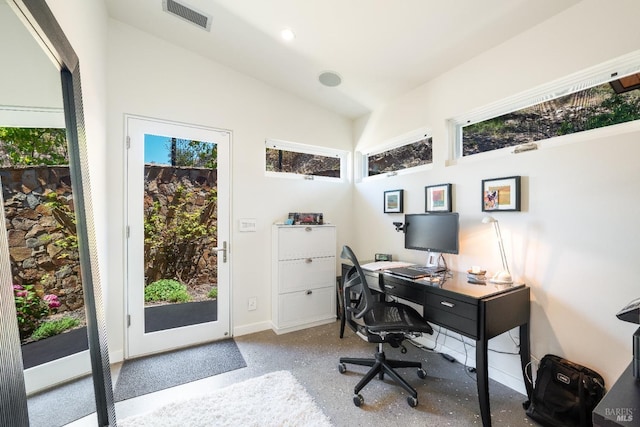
{"x": 187, "y": 13}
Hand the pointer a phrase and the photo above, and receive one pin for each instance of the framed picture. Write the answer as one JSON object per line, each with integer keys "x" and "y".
{"x": 501, "y": 194}
{"x": 437, "y": 198}
{"x": 393, "y": 201}
{"x": 304, "y": 218}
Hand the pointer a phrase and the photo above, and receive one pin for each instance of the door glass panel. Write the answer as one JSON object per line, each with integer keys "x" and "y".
{"x": 180, "y": 229}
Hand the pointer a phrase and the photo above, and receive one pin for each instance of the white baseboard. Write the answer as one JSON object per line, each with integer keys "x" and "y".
{"x": 511, "y": 378}
{"x": 57, "y": 372}
{"x": 280, "y": 330}
{"x": 116, "y": 357}
{"x": 251, "y": 328}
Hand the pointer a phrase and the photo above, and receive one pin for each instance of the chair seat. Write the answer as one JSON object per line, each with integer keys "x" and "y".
{"x": 395, "y": 317}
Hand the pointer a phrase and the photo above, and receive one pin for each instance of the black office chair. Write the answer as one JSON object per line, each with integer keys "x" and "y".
{"x": 379, "y": 321}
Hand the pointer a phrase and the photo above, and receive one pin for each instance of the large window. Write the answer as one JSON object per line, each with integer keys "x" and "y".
{"x": 402, "y": 153}
{"x": 291, "y": 159}
{"x": 593, "y": 99}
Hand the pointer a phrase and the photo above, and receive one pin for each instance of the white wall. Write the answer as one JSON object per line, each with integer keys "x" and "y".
{"x": 575, "y": 240}
{"x": 32, "y": 80}
{"x": 85, "y": 26}
{"x": 573, "y": 243}
{"x": 150, "y": 77}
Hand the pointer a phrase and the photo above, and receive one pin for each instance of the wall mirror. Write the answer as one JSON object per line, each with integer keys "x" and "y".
{"x": 40, "y": 88}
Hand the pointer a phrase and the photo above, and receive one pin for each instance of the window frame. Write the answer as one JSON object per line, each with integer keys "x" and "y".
{"x": 297, "y": 147}
{"x": 397, "y": 142}
{"x": 603, "y": 73}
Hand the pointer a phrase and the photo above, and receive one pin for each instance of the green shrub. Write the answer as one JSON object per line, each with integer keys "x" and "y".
{"x": 213, "y": 293}
{"x": 50, "y": 328}
{"x": 166, "y": 290}
{"x": 175, "y": 234}
{"x": 30, "y": 308}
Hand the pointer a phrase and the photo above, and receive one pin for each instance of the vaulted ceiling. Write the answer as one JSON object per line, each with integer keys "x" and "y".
{"x": 380, "y": 49}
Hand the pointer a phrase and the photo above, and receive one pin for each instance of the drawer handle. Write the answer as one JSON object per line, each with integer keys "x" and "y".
{"x": 447, "y": 304}
{"x": 309, "y": 292}
{"x": 308, "y": 229}
{"x": 308, "y": 260}
{"x": 389, "y": 286}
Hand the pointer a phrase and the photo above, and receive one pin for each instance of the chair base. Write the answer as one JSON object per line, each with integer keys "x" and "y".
{"x": 381, "y": 366}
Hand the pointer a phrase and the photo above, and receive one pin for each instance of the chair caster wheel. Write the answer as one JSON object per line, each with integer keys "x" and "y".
{"x": 358, "y": 400}
{"x": 422, "y": 374}
{"x": 412, "y": 401}
{"x": 342, "y": 368}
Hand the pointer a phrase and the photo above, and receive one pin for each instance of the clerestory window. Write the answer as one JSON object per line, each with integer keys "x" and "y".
{"x": 604, "y": 96}
{"x": 400, "y": 154}
{"x": 290, "y": 159}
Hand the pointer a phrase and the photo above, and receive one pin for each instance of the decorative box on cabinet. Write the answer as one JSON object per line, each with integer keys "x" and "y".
{"x": 303, "y": 278}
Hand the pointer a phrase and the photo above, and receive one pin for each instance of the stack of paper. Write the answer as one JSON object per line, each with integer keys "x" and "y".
{"x": 384, "y": 265}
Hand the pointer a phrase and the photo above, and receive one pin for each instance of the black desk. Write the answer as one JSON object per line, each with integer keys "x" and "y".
{"x": 479, "y": 312}
{"x": 621, "y": 405}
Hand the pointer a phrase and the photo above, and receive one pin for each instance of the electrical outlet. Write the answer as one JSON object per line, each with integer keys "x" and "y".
{"x": 252, "y": 303}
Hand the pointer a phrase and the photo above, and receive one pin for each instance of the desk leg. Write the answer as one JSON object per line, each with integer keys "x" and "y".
{"x": 525, "y": 358}
{"x": 482, "y": 376}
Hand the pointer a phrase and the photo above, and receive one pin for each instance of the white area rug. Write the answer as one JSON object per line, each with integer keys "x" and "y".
{"x": 274, "y": 399}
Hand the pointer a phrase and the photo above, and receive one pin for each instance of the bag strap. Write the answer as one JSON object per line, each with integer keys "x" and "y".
{"x": 581, "y": 401}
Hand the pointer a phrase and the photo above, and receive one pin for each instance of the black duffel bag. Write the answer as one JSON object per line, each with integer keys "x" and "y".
{"x": 564, "y": 394}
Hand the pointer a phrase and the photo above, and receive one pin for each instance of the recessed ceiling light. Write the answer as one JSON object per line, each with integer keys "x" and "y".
{"x": 287, "y": 34}
{"x": 330, "y": 78}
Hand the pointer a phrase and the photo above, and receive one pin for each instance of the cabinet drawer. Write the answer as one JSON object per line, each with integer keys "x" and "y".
{"x": 306, "y": 242}
{"x": 452, "y": 314}
{"x": 398, "y": 289}
{"x": 452, "y": 305}
{"x": 309, "y": 273}
{"x": 306, "y": 306}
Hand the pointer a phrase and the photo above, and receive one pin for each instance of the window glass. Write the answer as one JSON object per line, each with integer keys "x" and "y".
{"x": 302, "y": 160}
{"x": 414, "y": 153}
{"x": 591, "y": 99}
{"x": 591, "y": 108}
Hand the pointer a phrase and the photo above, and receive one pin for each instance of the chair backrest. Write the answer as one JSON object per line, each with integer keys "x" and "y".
{"x": 356, "y": 282}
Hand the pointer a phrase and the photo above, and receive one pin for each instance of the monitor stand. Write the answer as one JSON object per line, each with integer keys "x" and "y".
{"x": 435, "y": 262}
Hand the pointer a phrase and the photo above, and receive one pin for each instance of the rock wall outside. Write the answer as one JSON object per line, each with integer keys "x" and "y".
{"x": 41, "y": 234}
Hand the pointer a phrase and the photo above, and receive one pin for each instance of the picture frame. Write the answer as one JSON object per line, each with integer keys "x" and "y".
{"x": 306, "y": 218}
{"x": 437, "y": 198}
{"x": 501, "y": 194}
{"x": 393, "y": 202}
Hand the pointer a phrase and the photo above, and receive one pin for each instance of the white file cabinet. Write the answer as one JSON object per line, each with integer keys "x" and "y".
{"x": 303, "y": 276}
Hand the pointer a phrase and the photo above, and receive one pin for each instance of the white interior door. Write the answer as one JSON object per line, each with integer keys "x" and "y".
{"x": 160, "y": 189}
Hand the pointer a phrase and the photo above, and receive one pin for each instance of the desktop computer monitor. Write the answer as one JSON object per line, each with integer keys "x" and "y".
{"x": 432, "y": 232}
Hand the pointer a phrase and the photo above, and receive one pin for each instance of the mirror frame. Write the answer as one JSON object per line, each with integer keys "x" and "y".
{"x": 41, "y": 22}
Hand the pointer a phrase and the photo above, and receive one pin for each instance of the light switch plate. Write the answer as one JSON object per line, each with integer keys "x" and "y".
{"x": 247, "y": 225}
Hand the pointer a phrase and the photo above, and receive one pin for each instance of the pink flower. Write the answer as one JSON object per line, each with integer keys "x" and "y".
{"x": 17, "y": 288}
{"x": 21, "y": 293}
{"x": 52, "y": 300}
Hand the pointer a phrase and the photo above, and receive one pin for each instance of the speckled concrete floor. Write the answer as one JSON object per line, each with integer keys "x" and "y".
{"x": 447, "y": 397}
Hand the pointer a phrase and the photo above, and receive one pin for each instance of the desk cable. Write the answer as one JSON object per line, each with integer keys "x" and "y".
{"x": 468, "y": 369}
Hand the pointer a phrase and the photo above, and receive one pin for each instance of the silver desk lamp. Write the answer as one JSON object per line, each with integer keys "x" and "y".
{"x": 501, "y": 277}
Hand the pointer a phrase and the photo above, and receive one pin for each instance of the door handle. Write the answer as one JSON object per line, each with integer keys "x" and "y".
{"x": 223, "y": 249}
